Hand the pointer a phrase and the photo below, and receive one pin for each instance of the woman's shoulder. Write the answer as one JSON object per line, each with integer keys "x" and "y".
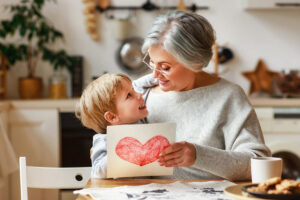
{"x": 220, "y": 88}
{"x": 233, "y": 92}
{"x": 229, "y": 86}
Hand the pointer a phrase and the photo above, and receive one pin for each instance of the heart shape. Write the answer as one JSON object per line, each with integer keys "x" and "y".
{"x": 131, "y": 150}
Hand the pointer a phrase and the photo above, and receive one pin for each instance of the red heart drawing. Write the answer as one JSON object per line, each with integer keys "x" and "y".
{"x": 131, "y": 150}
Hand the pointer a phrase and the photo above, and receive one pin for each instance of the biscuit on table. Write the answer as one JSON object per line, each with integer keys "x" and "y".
{"x": 277, "y": 186}
{"x": 287, "y": 184}
{"x": 270, "y": 182}
{"x": 274, "y": 191}
{"x": 257, "y": 189}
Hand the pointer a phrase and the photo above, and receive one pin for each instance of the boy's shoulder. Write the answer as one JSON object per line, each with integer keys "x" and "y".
{"x": 99, "y": 136}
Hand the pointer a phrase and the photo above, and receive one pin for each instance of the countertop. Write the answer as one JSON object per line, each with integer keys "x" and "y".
{"x": 70, "y": 104}
{"x": 64, "y": 105}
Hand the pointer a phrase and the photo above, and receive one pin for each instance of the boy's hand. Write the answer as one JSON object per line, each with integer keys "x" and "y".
{"x": 179, "y": 154}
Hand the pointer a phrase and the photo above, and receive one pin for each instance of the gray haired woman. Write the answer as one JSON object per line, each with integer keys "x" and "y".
{"x": 217, "y": 129}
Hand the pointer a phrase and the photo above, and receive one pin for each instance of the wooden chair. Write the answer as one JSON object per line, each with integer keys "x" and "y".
{"x": 51, "y": 177}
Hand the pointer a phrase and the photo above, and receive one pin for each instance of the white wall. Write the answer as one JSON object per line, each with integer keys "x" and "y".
{"x": 273, "y": 35}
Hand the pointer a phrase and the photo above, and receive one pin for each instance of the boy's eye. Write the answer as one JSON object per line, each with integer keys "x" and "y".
{"x": 128, "y": 95}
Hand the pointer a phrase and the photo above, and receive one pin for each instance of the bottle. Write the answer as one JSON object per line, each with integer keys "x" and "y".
{"x": 58, "y": 85}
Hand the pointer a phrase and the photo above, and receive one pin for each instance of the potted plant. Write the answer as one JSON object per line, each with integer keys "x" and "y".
{"x": 27, "y": 37}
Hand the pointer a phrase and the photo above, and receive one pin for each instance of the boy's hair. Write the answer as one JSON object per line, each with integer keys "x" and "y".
{"x": 97, "y": 98}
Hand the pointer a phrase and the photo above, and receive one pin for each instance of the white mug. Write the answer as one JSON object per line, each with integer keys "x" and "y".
{"x": 264, "y": 168}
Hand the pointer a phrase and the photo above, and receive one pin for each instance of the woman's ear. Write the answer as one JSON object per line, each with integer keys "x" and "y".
{"x": 111, "y": 117}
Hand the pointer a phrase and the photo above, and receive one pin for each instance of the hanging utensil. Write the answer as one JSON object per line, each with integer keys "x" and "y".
{"x": 181, "y": 6}
{"x": 148, "y": 6}
{"x": 104, "y": 4}
{"x": 130, "y": 56}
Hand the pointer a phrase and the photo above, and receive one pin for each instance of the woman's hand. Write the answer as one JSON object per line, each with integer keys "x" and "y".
{"x": 179, "y": 154}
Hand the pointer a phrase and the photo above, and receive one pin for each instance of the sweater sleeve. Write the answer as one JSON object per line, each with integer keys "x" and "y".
{"x": 145, "y": 82}
{"x": 99, "y": 156}
{"x": 243, "y": 140}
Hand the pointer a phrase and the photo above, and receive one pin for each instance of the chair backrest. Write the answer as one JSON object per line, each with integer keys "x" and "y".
{"x": 51, "y": 177}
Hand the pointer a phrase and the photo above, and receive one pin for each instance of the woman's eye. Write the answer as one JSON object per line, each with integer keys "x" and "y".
{"x": 165, "y": 67}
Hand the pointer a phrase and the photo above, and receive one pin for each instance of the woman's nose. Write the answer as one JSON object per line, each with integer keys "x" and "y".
{"x": 156, "y": 73}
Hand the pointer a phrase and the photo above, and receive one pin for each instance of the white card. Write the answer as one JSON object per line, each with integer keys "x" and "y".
{"x": 133, "y": 150}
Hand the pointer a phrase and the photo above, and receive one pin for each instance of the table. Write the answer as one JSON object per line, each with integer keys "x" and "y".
{"x": 96, "y": 182}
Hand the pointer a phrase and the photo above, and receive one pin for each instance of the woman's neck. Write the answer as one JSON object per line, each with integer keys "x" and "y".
{"x": 204, "y": 79}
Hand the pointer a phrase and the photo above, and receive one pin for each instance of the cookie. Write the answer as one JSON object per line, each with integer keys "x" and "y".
{"x": 270, "y": 182}
{"x": 257, "y": 189}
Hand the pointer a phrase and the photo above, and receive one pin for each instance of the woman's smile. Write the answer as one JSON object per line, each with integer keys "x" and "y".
{"x": 163, "y": 82}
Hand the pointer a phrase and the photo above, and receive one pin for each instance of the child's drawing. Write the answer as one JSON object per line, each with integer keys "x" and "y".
{"x": 131, "y": 150}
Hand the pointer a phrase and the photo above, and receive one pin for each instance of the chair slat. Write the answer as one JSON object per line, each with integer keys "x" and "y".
{"x": 51, "y": 177}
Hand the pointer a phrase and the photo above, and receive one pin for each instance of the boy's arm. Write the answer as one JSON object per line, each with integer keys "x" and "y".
{"x": 99, "y": 156}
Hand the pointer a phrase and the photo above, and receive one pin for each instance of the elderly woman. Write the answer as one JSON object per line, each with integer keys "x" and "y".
{"x": 217, "y": 128}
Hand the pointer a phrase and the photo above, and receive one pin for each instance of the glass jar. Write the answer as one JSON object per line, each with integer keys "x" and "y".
{"x": 58, "y": 86}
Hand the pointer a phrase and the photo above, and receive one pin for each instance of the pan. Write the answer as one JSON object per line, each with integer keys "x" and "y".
{"x": 130, "y": 56}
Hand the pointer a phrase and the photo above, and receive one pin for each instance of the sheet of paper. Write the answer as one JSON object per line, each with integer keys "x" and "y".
{"x": 211, "y": 190}
{"x": 133, "y": 150}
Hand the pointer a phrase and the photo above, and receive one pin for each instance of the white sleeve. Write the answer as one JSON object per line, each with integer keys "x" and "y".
{"x": 99, "y": 156}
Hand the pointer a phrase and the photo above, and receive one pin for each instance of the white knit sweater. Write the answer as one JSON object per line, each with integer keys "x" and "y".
{"x": 219, "y": 121}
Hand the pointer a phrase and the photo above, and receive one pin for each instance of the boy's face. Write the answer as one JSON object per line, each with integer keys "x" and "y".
{"x": 130, "y": 105}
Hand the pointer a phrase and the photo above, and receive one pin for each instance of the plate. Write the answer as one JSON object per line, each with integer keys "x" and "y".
{"x": 235, "y": 191}
{"x": 270, "y": 196}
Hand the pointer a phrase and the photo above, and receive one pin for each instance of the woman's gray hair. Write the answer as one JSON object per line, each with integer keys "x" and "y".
{"x": 189, "y": 37}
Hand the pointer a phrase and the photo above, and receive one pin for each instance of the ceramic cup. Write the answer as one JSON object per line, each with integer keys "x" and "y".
{"x": 264, "y": 168}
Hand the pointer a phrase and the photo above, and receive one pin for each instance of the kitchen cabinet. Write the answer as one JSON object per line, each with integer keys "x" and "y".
{"x": 270, "y": 4}
{"x": 34, "y": 133}
{"x": 4, "y": 183}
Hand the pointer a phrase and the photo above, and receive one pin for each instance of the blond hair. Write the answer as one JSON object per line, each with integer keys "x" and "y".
{"x": 97, "y": 98}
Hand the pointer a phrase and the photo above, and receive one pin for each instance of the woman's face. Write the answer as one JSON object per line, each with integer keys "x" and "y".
{"x": 175, "y": 76}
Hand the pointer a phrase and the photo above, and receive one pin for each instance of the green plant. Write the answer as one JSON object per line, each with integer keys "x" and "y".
{"x": 32, "y": 35}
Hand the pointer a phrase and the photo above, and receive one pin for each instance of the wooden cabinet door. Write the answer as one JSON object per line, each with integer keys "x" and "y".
{"x": 4, "y": 182}
{"x": 34, "y": 133}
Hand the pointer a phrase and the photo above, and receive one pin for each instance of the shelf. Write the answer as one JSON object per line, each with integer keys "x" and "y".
{"x": 192, "y": 8}
{"x": 270, "y": 4}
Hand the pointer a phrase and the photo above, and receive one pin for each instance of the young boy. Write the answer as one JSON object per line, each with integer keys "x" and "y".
{"x": 108, "y": 100}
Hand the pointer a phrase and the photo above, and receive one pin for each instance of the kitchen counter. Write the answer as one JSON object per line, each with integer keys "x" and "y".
{"x": 275, "y": 102}
{"x": 64, "y": 105}
{"x": 70, "y": 104}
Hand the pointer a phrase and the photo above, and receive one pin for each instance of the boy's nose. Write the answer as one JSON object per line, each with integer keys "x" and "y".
{"x": 139, "y": 95}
